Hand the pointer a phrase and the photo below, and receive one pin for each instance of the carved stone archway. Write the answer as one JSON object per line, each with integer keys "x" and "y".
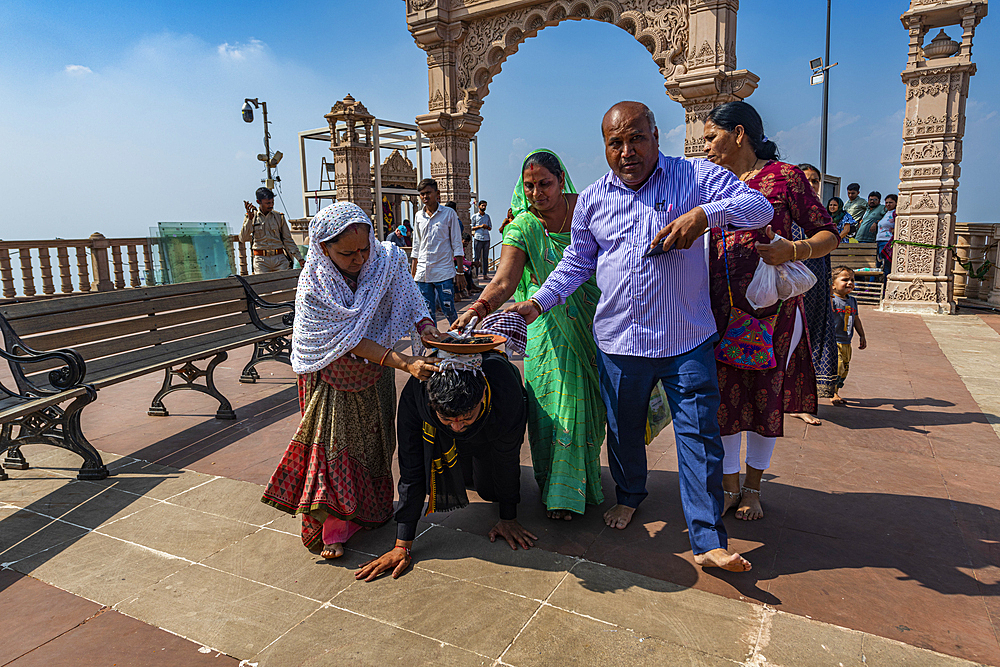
{"x": 693, "y": 42}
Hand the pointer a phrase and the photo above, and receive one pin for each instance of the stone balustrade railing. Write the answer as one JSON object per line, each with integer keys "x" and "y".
{"x": 972, "y": 240}
{"x": 95, "y": 264}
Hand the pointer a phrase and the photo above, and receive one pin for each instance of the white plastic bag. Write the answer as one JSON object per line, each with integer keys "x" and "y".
{"x": 794, "y": 278}
{"x": 763, "y": 289}
{"x": 773, "y": 283}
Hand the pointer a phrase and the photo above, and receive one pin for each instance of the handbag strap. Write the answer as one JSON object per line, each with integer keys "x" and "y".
{"x": 729, "y": 281}
{"x": 725, "y": 256}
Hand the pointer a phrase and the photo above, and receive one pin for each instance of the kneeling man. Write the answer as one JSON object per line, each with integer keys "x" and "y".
{"x": 462, "y": 428}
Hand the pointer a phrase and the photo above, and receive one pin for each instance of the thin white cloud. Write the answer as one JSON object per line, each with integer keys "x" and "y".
{"x": 78, "y": 70}
{"x": 240, "y": 51}
{"x": 672, "y": 143}
{"x": 841, "y": 119}
{"x": 519, "y": 148}
{"x": 112, "y": 115}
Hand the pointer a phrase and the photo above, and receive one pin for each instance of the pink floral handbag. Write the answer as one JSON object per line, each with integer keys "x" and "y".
{"x": 748, "y": 342}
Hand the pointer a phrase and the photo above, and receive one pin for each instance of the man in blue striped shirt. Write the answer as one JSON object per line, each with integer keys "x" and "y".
{"x": 654, "y": 320}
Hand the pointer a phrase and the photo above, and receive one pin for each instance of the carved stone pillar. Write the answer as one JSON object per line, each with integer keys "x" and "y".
{"x": 449, "y": 137}
{"x": 937, "y": 87}
{"x": 708, "y": 76}
{"x": 453, "y": 112}
{"x": 351, "y": 143}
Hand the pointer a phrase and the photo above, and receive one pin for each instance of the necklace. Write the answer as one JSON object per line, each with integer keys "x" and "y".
{"x": 752, "y": 172}
{"x": 562, "y": 226}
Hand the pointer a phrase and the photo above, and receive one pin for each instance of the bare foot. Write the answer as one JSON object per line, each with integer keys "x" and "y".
{"x": 332, "y": 551}
{"x": 837, "y": 400}
{"x": 619, "y": 516}
{"x": 565, "y": 515}
{"x": 727, "y": 560}
{"x": 732, "y": 499}
{"x": 806, "y": 417}
{"x": 750, "y": 509}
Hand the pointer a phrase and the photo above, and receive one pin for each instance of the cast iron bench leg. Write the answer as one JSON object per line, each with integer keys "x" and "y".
{"x": 14, "y": 459}
{"x": 274, "y": 349}
{"x": 189, "y": 375}
{"x": 57, "y": 427}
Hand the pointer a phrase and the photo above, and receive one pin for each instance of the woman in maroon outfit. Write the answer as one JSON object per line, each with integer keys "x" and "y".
{"x": 754, "y": 402}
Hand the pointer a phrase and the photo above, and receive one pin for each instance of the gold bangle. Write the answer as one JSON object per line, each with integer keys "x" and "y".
{"x": 382, "y": 361}
{"x": 810, "y": 250}
{"x": 537, "y": 305}
{"x": 795, "y": 252}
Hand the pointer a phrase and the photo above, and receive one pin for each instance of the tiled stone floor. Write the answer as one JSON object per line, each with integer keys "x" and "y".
{"x": 236, "y": 581}
{"x": 883, "y": 520}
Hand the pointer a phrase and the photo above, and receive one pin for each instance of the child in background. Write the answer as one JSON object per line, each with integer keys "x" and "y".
{"x": 846, "y": 319}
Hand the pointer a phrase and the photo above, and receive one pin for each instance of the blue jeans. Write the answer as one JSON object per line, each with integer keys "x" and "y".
{"x": 442, "y": 292}
{"x": 692, "y": 388}
{"x": 482, "y": 249}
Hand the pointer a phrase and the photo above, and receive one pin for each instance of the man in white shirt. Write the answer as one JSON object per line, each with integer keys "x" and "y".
{"x": 437, "y": 253}
{"x": 481, "y": 226}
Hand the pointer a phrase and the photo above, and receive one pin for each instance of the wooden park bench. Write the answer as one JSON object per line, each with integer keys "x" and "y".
{"x": 106, "y": 338}
{"x": 857, "y": 256}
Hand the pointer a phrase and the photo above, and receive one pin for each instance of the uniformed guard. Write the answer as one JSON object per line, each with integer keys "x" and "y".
{"x": 270, "y": 236}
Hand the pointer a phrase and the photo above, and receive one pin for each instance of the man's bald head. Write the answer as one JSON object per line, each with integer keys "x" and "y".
{"x": 631, "y": 142}
{"x": 631, "y": 110}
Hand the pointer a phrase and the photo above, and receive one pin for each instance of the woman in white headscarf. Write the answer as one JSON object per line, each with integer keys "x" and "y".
{"x": 355, "y": 299}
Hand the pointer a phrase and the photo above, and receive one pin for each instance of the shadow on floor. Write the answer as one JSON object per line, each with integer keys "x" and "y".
{"x": 937, "y": 542}
{"x": 897, "y": 414}
{"x": 181, "y": 449}
{"x": 58, "y": 519}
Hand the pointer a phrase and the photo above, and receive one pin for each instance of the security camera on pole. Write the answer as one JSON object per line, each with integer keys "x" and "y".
{"x": 269, "y": 161}
{"x": 267, "y": 230}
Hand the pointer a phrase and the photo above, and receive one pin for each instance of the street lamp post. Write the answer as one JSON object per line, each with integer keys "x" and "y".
{"x": 821, "y": 74}
{"x": 826, "y": 97}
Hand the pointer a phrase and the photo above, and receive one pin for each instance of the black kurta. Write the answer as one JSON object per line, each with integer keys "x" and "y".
{"x": 489, "y": 451}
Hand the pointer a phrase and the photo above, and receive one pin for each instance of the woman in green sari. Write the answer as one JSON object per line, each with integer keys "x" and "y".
{"x": 566, "y": 416}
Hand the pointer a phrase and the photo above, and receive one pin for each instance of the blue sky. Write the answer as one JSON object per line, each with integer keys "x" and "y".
{"x": 118, "y": 115}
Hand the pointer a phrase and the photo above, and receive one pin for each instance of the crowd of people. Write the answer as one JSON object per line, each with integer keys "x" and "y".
{"x": 639, "y": 279}
{"x": 862, "y": 220}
